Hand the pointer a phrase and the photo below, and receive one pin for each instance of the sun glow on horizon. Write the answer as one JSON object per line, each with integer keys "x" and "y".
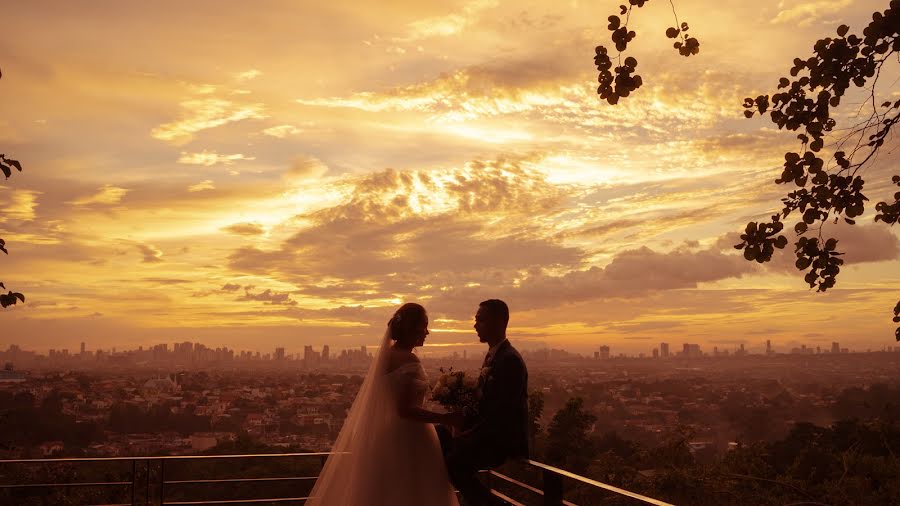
{"x": 442, "y": 152}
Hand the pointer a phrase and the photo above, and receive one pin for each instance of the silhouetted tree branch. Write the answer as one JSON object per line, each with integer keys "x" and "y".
{"x": 612, "y": 88}
{"x": 6, "y": 165}
{"x": 829, "y": 188}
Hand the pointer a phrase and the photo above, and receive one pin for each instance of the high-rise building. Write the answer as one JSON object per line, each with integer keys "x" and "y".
{"x": 664, "y": 350}
{"x": 604, "y": 352}
{"x": 769, "y": 347}
{"x": 82, "y": 348}
{"x": 655, "y": 353}
{"x": 691, "y": 350}
{"x": 835, "y": 347}
{"x": 326, "y": 353}
{"x": 279, "y": 353}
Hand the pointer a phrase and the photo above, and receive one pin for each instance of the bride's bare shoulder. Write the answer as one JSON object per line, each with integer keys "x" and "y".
{"x": 400, "y": 358}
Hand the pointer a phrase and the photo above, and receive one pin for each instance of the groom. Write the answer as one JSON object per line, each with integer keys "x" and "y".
{"x": 499, "y": 428}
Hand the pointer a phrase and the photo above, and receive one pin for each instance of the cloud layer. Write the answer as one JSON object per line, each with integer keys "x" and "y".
{"x": 294, "y": 184}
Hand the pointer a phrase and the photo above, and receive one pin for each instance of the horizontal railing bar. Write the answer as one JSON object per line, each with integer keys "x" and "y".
{"x": 235, "y": 501}
{"x": 77, "y": 484}
{"x": 507, "y": 498}
{"x": 525, "y": 486}
{"x": 165, "y": 457}
{"x": 582, "y": 479}
{"x": 517, "y": 482}
{"x": 237, "y": 480}
{"x": 533, "y": 463}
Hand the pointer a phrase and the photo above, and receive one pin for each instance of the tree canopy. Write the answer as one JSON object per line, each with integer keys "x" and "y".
{"x": 825, "y": 174}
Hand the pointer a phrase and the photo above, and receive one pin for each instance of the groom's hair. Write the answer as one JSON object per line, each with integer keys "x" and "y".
{"x": 497, "y": 309}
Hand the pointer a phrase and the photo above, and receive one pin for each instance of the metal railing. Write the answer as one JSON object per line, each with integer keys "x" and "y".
{"x": 163, "y": 481}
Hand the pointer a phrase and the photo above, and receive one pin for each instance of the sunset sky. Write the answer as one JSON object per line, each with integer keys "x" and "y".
{"x": 281, "y": 173}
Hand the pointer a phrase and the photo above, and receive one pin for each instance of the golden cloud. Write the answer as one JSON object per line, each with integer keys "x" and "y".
{"x": 107, "y": 195}
{"x": 18, "y": 204}
{"x": 210, "y": 158}
{"x": 449, "y": 24}
{"x": 205, "y": 113}
{"x": 281, "y": 131}
{"x": 206, "y": 184}
{"x": 805, "y": 13}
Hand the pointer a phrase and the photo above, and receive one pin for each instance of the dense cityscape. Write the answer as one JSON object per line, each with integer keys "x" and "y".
{"x": 191, "y": 397}
{"x": 642, "y": 418}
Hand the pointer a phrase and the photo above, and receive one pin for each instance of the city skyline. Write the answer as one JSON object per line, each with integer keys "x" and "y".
{"x": 294, "y": 184}
{"x": 324, "y": 353}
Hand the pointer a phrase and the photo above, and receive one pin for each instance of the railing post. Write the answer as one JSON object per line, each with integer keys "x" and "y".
{"x": 133, "y": 481}
{"x": 162, "y": 481}
{"x": 553, "y": 488}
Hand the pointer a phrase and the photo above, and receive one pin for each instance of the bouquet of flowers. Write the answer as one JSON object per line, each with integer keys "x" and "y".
{"x": 456, "y": 392}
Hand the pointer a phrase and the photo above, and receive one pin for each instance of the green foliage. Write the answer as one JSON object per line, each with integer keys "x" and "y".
{"x": 624, "y": 82}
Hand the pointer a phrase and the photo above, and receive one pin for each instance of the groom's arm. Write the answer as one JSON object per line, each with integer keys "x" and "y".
{"x": 507, "y": 385}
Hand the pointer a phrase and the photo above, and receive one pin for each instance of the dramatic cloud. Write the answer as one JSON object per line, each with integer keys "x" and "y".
{"x": 444, "y": 152}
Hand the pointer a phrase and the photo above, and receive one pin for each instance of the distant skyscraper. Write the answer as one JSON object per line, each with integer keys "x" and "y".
{"x": 326, "y": 352}
{"x": 664, "y": 350}
{"x": 835, "y": 347}
{"x": 655, "y": 353}
{"x": 768, "y": 346}
{"x": 279, "y": 353}
{"x": 308, "y": 356}
{"x": 604, "y": 352}
{"x": 82, "y": 347}
{"x": 692, "y": 350}
{"x": 596, "y": 354}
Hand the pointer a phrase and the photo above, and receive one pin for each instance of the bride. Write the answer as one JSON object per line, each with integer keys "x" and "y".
{"x": 388, "y": 451}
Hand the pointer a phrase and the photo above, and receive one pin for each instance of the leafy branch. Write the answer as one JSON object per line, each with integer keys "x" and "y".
{"x": 829, "y": 189}
{"x": 6, "y": 165}
{"x": 624, "y": 82}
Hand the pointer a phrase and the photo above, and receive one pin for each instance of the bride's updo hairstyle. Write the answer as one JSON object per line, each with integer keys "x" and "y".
{"x": 405, "y": 320}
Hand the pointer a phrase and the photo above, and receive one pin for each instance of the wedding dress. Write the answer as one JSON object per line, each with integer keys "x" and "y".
{"x": 379, "y": 458}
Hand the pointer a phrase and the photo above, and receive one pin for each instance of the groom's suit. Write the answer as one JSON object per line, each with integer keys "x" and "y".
{"x": 499, "y": 429}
